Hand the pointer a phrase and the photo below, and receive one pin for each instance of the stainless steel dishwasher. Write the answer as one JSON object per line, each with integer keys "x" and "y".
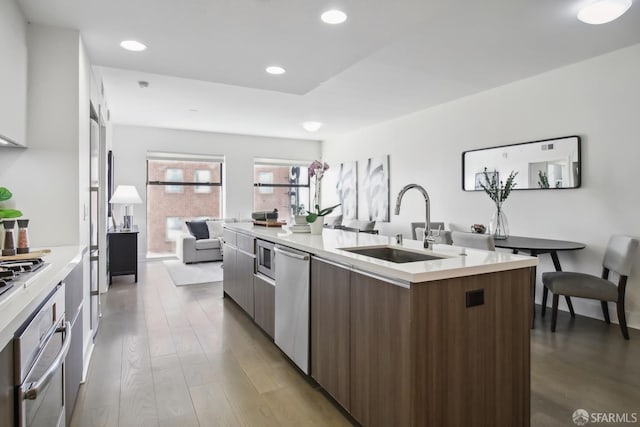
{"x": 292, "y": 305}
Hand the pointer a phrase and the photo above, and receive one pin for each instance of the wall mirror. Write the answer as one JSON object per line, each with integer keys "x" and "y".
{"x": 541, "y": 165}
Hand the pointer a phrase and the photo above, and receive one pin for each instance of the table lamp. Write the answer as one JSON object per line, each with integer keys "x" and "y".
{"x": 128, "y": 196}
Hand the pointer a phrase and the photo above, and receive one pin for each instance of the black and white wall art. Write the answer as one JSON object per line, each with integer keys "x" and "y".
{"x": 347, "y": 189}
{"x": 376, "y": 189}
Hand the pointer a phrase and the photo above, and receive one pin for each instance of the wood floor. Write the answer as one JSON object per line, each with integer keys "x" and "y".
{"x": 184, "y": 356}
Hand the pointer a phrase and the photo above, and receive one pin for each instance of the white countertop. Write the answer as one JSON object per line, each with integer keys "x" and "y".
{"x": 20, "y": 303}
{"x": 329, "y": 243}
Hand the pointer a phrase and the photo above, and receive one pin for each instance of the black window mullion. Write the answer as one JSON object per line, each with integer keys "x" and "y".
{"x": 209, "y": 184}
{"x": 257, "y": 184}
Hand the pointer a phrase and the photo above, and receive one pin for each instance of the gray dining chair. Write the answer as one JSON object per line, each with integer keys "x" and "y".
{"x": 358, "y": 224}
{"x": 440, "y": 236}
{"x": 618, "y": 258}
{"x": 415, "y": 233}
{"x": 473, "y": 240}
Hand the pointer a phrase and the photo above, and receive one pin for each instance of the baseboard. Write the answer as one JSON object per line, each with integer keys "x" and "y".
{"x": 87, "y": 361}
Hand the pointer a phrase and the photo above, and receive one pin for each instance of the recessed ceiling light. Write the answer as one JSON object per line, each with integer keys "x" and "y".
{"x": 333, "y": 17}
{"x": 133, "y": 45}
{"x": 274, "y": 69}
{"x": 312, "y": 126}
{"x": 603, "y": 11}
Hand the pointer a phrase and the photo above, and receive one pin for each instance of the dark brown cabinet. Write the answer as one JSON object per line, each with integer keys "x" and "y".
{"x": 330, "y": 329}
{"x": 395, "y": 354}
{"x": 380, "y": 352}
{"x": 122, "y": 248}
{"x": 264, "y": 304}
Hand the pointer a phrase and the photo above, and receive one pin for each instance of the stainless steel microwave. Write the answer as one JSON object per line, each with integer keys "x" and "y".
{"x": 266, "y": 258}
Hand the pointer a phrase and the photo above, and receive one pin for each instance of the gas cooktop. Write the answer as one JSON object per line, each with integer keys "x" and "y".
{"x": 20, "y": 272}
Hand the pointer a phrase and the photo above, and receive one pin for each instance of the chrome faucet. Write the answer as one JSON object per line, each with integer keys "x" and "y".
{"x": 429, "y": 239}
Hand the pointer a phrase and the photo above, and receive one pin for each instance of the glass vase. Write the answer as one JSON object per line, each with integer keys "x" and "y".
{"x": 499, "y": 225}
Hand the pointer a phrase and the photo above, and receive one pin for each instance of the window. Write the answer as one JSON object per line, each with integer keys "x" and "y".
{"x": 280, "y": 186}
{"x": 179, "y": 189}
{"x": 173, "y": 175}
{"x": 173, "y": 228}
{"x": 202, "y": 175}
{"x": 265, "y": 178}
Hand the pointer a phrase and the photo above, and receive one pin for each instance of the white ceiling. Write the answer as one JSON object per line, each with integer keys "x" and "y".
{"x": 389, "y": 59}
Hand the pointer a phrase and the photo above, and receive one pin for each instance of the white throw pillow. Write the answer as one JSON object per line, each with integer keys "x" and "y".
{"x": 215, "y": 228}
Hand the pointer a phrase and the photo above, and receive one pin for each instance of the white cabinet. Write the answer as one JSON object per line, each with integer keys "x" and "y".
{"x": 13, "y": 73}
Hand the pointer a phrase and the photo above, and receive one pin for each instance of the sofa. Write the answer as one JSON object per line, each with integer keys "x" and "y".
{"x": 201, "y": 240}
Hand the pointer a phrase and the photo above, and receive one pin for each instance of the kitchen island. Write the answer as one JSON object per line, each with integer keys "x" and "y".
{"x": 426, "y": 343}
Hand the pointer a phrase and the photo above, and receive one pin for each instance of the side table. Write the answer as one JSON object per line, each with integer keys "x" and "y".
{"x": 122, "y": 249}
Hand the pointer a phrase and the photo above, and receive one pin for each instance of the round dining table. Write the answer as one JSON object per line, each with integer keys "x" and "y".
{"x": 536, "y": 246}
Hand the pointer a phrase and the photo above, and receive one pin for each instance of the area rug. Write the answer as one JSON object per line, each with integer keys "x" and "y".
{"x": 191, "y": 274}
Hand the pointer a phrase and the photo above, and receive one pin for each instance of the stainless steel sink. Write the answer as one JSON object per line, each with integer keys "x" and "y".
{"x": 392, "y": 254}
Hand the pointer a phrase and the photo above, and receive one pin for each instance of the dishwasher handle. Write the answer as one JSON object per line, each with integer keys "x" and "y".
{"x": 33, "y": 388}
{"x": 291, "y": 254}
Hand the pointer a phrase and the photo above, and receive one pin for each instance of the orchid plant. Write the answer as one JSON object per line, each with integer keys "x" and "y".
{"x": 316, "y": 171}
{"x": 7, "y": 213}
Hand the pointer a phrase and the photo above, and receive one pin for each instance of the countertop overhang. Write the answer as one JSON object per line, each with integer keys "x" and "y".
{"x": 329, "y": 244}
{"x": 18, "y": 306}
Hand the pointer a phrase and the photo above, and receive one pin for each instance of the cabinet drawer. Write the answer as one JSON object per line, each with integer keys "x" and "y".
{"x": 246, "y": 243}
{"x": 229, "y": 237}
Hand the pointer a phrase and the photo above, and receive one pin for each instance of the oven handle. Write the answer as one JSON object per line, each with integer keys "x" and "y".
{"x": 34, "y": 387}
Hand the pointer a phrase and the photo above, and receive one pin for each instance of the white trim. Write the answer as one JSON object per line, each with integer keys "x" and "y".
{"x": 156, "y": 155}
{"x": 280, "y": 162}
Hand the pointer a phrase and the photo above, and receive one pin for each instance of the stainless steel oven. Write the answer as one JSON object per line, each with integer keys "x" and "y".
{"x": 266, "y": 256}
{"x": 41, "y": 346}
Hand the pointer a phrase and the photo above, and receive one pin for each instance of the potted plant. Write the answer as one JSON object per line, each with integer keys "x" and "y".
{"x": 316, "y": 218}
{"x": 498, "y": 191}
{"x": 5, "y": 195}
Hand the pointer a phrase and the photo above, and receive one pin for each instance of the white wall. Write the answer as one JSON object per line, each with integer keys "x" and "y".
{"x": 44, "y": 178}
{"x": 13, "y": 72}
{"x": 596, "y": 99}
{"x": 131, "y": 144}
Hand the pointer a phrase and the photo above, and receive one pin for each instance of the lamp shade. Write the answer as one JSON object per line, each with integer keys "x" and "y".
{"x": 126, "y": 195}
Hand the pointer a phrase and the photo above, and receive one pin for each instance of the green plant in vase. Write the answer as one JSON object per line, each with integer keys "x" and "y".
{"x": 498, "y": 191}
{"x": 6, "y": 218}
{"x": 5, "y": 195}
{"x": 317, "y": 170}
